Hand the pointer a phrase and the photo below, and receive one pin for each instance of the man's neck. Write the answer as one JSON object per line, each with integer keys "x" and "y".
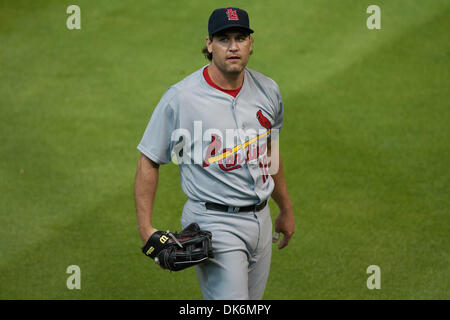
{"x": 227, "y": 81}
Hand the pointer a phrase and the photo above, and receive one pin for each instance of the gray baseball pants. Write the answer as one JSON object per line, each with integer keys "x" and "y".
{"x": 242, "y": 245}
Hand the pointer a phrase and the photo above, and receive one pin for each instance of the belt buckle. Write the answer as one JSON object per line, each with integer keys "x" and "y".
{"x": 232, "y": 209}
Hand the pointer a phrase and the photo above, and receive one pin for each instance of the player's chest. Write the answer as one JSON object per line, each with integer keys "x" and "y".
{"x": 223, "y": 113}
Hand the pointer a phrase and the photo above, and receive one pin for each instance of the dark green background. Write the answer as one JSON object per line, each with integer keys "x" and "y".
{"x": 365, "y": 144}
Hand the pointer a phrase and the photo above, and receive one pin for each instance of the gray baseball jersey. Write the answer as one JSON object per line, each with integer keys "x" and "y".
{"x": 220, "y": 141}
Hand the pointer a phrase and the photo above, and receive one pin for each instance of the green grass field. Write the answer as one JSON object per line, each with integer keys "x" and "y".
{"x": 365, "y": 143}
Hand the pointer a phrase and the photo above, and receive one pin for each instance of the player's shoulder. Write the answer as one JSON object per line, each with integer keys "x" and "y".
{"x": 184, "y": 86}
{"x": 263, "y": 81}
{"x": 266, "y": 85}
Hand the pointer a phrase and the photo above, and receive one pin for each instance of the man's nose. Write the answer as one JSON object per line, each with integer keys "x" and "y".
{"x": 233, "y": 45}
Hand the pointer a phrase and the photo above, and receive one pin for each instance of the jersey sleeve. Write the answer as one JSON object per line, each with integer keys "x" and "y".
{"x": 156, "y": 143}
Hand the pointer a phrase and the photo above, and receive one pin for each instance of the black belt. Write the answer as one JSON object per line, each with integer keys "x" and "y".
{"x": 222, "y": 207}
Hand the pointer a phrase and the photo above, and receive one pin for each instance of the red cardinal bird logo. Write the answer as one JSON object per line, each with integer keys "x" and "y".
{"x": 263, "y": 120}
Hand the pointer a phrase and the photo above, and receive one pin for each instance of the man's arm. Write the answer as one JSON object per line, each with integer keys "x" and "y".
{"x": 145, "y": 184}
{"x": 285, "y": 222}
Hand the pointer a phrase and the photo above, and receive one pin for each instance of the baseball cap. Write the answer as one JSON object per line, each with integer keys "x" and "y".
{"x": 225, "y": 18}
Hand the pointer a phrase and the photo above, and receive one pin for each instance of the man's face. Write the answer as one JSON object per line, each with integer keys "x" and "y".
{"x": 230, "y": 50}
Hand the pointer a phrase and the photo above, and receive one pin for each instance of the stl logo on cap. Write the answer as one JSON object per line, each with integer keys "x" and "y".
{"x": 232, "y": 14}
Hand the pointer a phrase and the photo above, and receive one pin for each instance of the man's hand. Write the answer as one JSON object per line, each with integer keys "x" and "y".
{"x": 284, "y": 224}
{"x": 176, "y": 251}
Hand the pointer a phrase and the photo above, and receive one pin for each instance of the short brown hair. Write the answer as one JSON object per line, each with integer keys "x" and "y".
{"x": 206, "y": 53}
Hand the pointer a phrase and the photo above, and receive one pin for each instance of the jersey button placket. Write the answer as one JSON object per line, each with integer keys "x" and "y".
{"x": 241, "y": 138}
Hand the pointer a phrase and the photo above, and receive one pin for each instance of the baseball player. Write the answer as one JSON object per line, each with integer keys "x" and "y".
{"x": 221, "y": 125}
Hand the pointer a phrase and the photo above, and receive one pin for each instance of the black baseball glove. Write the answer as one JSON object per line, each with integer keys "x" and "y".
{"x": 178, "y": 251}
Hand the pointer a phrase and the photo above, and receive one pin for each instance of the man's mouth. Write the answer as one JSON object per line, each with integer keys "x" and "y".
{"x": 234, "y": 58}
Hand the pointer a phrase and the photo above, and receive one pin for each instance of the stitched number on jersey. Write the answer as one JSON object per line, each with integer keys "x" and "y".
{"x": 232, "y": 14}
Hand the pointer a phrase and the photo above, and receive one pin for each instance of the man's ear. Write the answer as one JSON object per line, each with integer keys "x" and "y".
{"x": 209, "y": 44}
